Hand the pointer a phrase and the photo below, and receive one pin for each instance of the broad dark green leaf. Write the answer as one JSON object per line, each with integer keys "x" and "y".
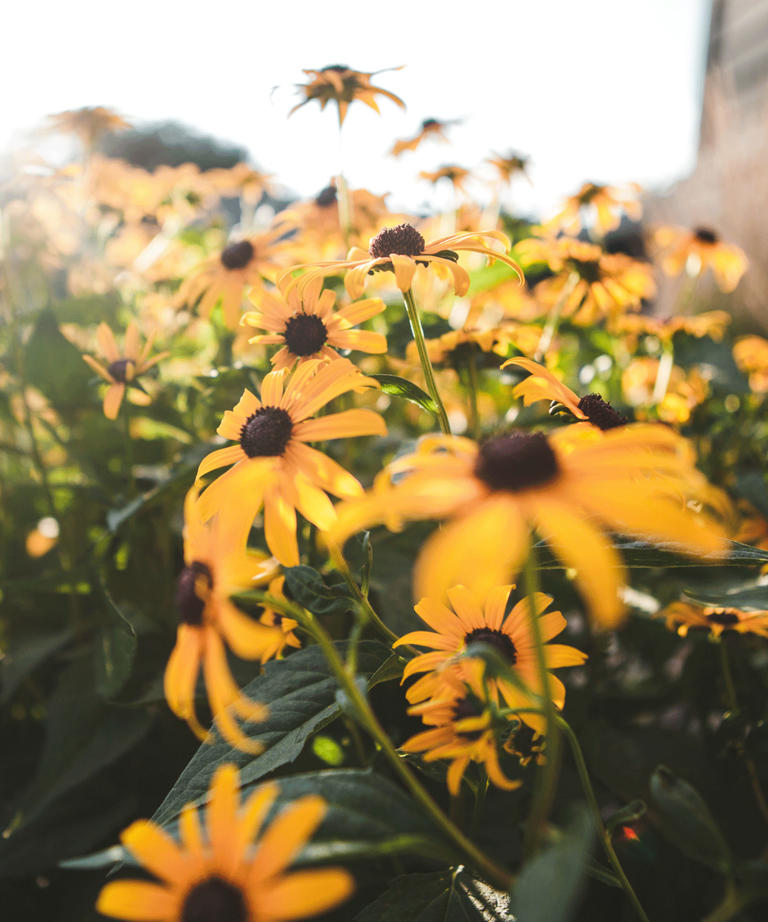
{"x": 443, "y": 896}
{"x": 307, "y": 587}
{"x": 748, "y": 597}
{"x": 640, "y": 554}
{"x": 114, "y": 650}
{"x": 686, "y": 821}
{"x": 25, "y": 655}
{"x": 396, "y": 386}
{"x": 301, "y": 693}
{"x": 549, "y": 885}
{"x": 56, "y": 367}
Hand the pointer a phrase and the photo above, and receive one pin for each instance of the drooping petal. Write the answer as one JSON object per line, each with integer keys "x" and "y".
{"x": 139, "y": 901}
{"x": 287, "y": 835}
{"x": 305, "y": 893}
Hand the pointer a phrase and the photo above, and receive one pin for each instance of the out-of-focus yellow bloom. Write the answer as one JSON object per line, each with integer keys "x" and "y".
{"x": 222, "y": 874}
{"x": 682, "y": 616}
{"x": 241, "y": 180}
{"x": 307, "y": 326}
{"x": 90, "y": 123}
{"x": 402, "y": 250}
{"x": 510, "y": 165}
{"x": 751, "y": 355}
{"x": 217, "y": 565}
{"x": 570, "y": 487}
{"x": 224, "y": 277}
{"x": 284, "y": 636}
{"x": 430, "y": 128}
{"x": 594, "y": 284}
{"x": 343, "y": 85}
{"x": 43, "y": 537}
{"x": 508, "y": 299}
{"x": 123, "y": 369}
{"x": 693, "y": 251}
{"x": 599, "y": 207}
{"x": 708, "y": 323}
{"x": 457, "y": 176}
{"x": 684, "y": 391}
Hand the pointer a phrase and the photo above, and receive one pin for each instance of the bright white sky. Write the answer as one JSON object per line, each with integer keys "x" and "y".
{"x": 605, "y": 90}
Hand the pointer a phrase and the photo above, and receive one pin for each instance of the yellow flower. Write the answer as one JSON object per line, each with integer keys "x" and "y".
{"x": 462, "y": 730}
{"x": 569, "y": 487}
{"x": 90, "y": 123}
{"x": 402, "y": 250}
{"x": 471, "y": 618}
{"x": 510, "y": 165}
{"x": 225, "y": 276}
{"x": 600, "y": 284}
{"x": 751, "y": 355}
{"x": 456, "y": 346}
{"x": 221, "y": 873}
{"x": 217, "y": 565}
{"x": 682, "y": 616}
{"x": 541, "y": 384}
{"x": 123, "y": 370}
{"x": 602, "y": 206}
{"x": 430, "y": 128}
{"x": 684, "y": 391}
{"x": 708, "y": 323}
{"x": 343, "y": 85}
{"x": 242, "y": 180}
{"x": 693, "y": 251}
{"x": 284, "y": 637}
{"x": 273, "y": 465}
{"x": 456, "y": 175}
{"x": 308, "y": 327}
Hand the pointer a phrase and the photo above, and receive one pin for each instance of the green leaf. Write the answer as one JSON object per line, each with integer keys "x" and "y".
{"x": 307, "y": 587}
{"x": 641, "y": 554}
{"x": 685, "y": 820}
{"x": 746, "y": 597}
{"x": 549, "y": 885}
{"x": 56, "y": 367}
{"x": 442, "y": 896}
{"x": 396, "y": 386}
{"x": 301, "y": 693}
{"x": 26, "y": 654}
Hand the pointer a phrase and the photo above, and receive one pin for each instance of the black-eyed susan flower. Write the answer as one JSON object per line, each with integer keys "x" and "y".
{"x": 231, "y": 871}
{"x": 569, "y": 487}
{"x": 124, "y": 368}
{"x": 90, "y": 123}
{"x": 682, "y": 616}
{"x": 402, "y": 250}
{"x": 343, "y": 85}
{"x": 272, "y": 465}
{"x": 284, "y": 637}
{"x": 684, "y": 390}
{"x": 217, "y": 565}
{"x": 707, "y": 323}
{"x": 430, "y": 128}
{"x": 541, "y": 384}
{"x": 596, "y": 206}
{"x": 457, "y": 176}
{"x": 510, "y": 165}
{"x": 462, "y": 729}
{"x": 307, "y": 326}
{"x": 225, "y": 276}
{"x": 694, "y": 251}
{"x": 589, "y": 284}
{"x": 469, "y": 618}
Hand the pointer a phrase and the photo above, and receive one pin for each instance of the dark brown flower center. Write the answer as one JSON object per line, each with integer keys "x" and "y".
{"x": 237, "y": 255}
{"x": 326, "y": 197}
{"x": 214, "y": 900}
{"x": 120, "y": 368}
{"x": 586, "y": 269}
{"x": 724, "y": 617}
{"x": 403, "y": 240}
{"x": 429, "y": 123}
{"x": 600, "y": 413}
{"x": 705, "y": 235}
{"x": 188, "y": 603}
{"x": 466, "y": 708}
{"x": 590, "y": 191}
{"x": 338, "y": 68}
{"x": 500, "y": 641}
{"x": 516, "y": 461}
{"x": 266, "y": 433}
{"x": 305, "y": 334}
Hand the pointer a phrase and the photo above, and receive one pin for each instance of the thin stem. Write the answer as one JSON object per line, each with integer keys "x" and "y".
{"x": 495, "y": 874}
{"x": 553, "y": 320}
{"x": 733, "y": 705}
{"x": 546, "y": 781}
{"x": 602, "y": 832}
{"x": 426, "y": 364}
{"x": 664, "y": 373}
{"x": 368, "y": 610}
{"x": 474, "y": 417}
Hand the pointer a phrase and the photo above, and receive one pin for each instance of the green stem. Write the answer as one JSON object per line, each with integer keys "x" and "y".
{"x": 494, "y": 873}
{"x": 602, "y": 832}
{"x": 553, "y": 320}
{"x": 426, "y": 365}
{"x": 341, "y": 565}
{"x": 546, "y": 781}
{"x": 474, "y": 417}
